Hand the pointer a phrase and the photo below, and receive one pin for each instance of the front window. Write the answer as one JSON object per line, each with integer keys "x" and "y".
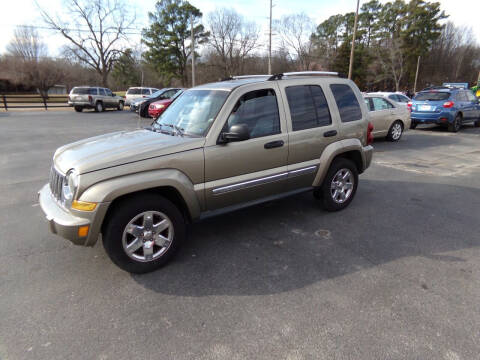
{"x": 193, "y": 112}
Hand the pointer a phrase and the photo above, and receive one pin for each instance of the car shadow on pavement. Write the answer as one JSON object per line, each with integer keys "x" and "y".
{"x": 290, "y": 244}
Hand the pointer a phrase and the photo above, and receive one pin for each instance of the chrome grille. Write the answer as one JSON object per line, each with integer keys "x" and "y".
{"x": 56, "y": 182}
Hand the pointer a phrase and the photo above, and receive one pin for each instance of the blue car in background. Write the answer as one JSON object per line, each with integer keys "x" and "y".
{"x": 445, "y": 106}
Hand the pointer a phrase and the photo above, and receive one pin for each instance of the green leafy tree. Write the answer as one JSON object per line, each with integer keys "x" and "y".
{"x": 126, "y": 72}
{"x": 168, "y": 38}
{"x": 420, "y": 28}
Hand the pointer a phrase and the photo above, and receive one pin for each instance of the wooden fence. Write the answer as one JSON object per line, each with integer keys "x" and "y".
{"x": 32, "y": 102}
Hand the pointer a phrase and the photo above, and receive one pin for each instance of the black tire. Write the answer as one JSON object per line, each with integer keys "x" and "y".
{"x": 413, "y": 125}
{"x": 477, "y": 123}
{"x": 123, "y": 213}
{"x": 99, "y": 107}
{"x": 143, "y": 111}
{"x": 457, "y": 123}
{"x": 120, "y": 106}
{"x": 324, "y": 193}
{"x": 393, "y": 134}
{"x": 78, "y": 108}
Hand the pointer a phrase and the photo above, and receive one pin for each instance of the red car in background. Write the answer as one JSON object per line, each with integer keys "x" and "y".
{"x": 158, "y": 107}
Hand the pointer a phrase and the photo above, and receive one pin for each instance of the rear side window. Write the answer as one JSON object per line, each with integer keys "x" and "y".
{"x": 432, "y": 96}
{"x": 102, "y": 91}
{"x": 403, "y": 99}
{"x": 145, "y": 91}
{"x": 259, "y": 111}
{"x": 347, "y": 102}
{"x": 308, "y": 107}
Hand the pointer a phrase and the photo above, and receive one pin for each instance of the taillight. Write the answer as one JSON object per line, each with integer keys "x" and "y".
{"x": 90, "y": 98}
{"x": 409, "y": 105}
{"x": 448, "y": 104}
{"x": 369, "y": 133}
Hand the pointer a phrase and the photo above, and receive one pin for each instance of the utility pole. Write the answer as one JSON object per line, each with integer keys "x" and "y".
{"x": 416, "y": 76}
{"x": 350, "y": 66}
{"x": 193, "y": 50}
{"x": 270, "y": 42}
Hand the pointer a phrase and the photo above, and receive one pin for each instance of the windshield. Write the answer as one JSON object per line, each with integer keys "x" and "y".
{"x": 432, "y": 96}
{"x": 193, "y": 112}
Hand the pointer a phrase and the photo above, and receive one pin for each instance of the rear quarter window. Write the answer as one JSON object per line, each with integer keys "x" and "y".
{"x": 347, "y": 102}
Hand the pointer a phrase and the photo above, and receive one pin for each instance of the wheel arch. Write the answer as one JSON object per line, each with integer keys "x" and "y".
{"x": 351, "y": 149}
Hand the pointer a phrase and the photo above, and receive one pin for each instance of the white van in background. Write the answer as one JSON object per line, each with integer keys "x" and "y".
{"x": 134, "y": 93}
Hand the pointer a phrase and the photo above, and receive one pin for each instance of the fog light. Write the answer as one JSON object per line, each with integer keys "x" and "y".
{"x": 83, "y": 205}
{"x": 83, "y": 231}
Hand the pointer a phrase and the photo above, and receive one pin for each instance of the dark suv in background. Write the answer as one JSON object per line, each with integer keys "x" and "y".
{"x": 444, "y": 106}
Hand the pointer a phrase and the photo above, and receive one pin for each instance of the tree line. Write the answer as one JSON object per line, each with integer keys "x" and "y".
{"x": 391, "y": 38}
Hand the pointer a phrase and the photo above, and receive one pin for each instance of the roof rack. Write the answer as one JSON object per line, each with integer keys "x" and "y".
{"x": 239, "y": 77}
{"x": 303, "y": 73}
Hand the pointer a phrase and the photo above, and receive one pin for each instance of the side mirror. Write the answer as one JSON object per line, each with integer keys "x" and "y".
{"x": 237, "y": 132}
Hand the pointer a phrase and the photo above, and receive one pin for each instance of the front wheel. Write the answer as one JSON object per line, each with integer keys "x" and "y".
{"x": 339, "y": 186}
{"x": 120, "y": 106}
{"x": 413, "y": 125}
{"x": 143, "y": 233}
{"x": 78, "y": 108}
{"x": 395, "y": 131}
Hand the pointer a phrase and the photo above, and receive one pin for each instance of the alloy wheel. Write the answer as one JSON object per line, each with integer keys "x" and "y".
{"x": 147, "y": 236}
{"x": 341, "y": 187}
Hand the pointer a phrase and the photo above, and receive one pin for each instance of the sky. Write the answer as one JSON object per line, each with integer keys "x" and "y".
{"x": 24, "y": 12}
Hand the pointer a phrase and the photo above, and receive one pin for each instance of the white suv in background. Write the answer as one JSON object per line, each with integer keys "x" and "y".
{"x": 134, "y": 93}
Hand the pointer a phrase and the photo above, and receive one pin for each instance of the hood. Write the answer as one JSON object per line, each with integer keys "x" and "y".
{"x": 119, "y": 148}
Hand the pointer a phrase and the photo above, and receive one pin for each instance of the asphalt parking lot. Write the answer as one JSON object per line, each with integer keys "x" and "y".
{"x": 394, "y": 276}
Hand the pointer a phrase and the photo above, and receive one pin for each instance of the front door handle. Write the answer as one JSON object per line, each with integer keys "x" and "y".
{"x": 273, "y": 144}
{"x": 330, "y": 133}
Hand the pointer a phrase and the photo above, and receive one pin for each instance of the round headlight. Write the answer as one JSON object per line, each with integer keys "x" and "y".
{"x": 69, "y": 187}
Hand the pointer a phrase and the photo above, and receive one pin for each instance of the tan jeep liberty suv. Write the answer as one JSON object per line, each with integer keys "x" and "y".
{"x": 218, "y": 147}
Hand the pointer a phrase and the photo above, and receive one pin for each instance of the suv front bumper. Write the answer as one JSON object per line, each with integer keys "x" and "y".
{"x": 66, "y": 224}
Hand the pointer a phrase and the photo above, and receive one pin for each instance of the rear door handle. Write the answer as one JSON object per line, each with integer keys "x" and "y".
{"x": 273, "y": 144}
{"x": 330, "y": 133}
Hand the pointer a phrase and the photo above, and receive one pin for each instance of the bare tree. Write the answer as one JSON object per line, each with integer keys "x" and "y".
{"x": 295, "y": 32}
{"x": 232, "y": 38}
{"x": 95, "y": 29}
{"x": 390, "y": 62}
{"x": 29, "y": 62}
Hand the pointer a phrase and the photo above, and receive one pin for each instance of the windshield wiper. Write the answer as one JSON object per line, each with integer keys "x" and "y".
{"x": 159, "y": 130}
{"x": 177, "y": 129}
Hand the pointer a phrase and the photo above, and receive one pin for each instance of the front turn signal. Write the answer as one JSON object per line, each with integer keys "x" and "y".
{"x": 83, "y": 205}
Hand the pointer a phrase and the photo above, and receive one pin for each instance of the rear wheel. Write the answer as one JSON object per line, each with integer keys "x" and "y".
{"x": 339, "y": 186}
{"x": 477, "y": 123}
{"x": 395, "y": 131}
{"x": 99, "y": 107}
{"x": 78, "y": 108}
{"x": 143, "y": 233}
{"x": 455, "y": 126}
{"x": 413, "y": 125}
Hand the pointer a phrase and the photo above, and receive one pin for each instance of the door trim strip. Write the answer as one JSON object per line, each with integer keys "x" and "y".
{"x": 264, "y": 180}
